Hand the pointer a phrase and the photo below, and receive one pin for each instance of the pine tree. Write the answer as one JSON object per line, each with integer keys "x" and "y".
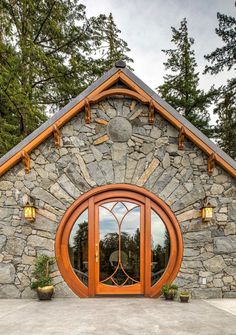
{"x": 180, "y": 88}
{"x": 49, "y": 52}
{"x": 220, "y": 59}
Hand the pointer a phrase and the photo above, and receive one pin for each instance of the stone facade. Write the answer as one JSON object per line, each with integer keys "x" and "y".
{"x": 97, "y": 154}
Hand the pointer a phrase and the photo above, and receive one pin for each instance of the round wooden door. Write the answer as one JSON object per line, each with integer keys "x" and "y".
{"x": 118, "y": 239}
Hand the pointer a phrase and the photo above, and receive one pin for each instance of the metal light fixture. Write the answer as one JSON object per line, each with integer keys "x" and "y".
{"x": 29, "y": 211}
{"x": 207, "y": 211}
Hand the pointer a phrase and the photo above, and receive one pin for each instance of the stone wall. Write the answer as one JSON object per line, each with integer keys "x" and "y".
{"x": 138, "y": 154}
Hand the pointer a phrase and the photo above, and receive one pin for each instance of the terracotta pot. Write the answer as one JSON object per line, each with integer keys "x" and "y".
{"x": 45, "y": 293}
{"x": 184, "y": 298}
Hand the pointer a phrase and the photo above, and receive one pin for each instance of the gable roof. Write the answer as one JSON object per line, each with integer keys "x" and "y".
{"x": 100, "y": 89}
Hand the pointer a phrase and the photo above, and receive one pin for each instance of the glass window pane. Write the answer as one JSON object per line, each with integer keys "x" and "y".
{"x": 78, "y": 247}
{"x": 160, "y": 247}
{"x": 109, "y": 243}
{"x": 130, "y": 244}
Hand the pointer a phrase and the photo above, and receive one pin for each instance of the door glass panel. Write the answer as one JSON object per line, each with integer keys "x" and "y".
{"x": 160, "y": 247}
{"x": 130, "y": 243}
{"x": 109, "y": 242}
{"x": 78, "y": 247}
{"x": 119, "y": 246}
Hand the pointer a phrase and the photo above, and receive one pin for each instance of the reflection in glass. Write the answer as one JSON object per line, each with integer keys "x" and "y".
{"x": 78, "y": 247}
{"x": 119, "y": 233}
{"x": 109, "y": 242}
{"x": 160, "y": 247}
{"x": 130, "y": 243}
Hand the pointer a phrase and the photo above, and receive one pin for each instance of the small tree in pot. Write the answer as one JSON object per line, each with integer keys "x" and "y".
{"x": 43, "y": 281}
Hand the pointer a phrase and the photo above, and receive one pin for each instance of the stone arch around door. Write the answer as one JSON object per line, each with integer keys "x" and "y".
{"x": 149, "y": 204}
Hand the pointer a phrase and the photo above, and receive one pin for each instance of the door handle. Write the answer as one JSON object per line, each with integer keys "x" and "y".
{"x": 96, "y": 253}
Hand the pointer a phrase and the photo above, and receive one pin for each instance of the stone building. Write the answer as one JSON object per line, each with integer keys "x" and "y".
{"x": 118, "y": 179}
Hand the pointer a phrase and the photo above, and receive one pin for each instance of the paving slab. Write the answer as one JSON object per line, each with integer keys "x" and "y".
{"x": 228, "y": 305}
{"x": 114, "y": 316}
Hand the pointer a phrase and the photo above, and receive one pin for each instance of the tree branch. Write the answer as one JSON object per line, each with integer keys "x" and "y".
{"x": 44, "y": 21}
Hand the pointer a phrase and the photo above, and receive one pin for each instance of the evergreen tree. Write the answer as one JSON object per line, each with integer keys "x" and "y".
{"x": 180, "y": 88}
{"x": 49, "y": 52}
{"x": 226, "y": 123}
{"x": 224, "y": 57}
{"x": 220, "y": 59}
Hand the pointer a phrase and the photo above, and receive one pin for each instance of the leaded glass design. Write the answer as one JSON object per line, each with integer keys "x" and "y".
{"x": 119, "y": 243}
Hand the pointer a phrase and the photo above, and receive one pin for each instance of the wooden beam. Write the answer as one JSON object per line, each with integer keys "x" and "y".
{"x": 26, "y": 161}
{"x": 181, "y": 138}
{"x": 56, "y": 135}
{"x": 118, "y": 91}
{"x": 151, "y": 112}
{"x": 211, "y": 164}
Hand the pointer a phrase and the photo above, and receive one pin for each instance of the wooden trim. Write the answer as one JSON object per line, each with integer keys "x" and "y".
{"x": 211, "y": 164}
{"x": 26, "y": 161}
{"x": 116, "y": 191}
{"x": 151, "y": 112}
{"x": 87, "y": 111}
{"x": 147, "y": 220}
{"x": 181, "y": 138}
{"x": 91, "y": 249}
{"x": 118, "y": 91}
{"x": 56, "y": 135}
{"x": 138, "y": 93}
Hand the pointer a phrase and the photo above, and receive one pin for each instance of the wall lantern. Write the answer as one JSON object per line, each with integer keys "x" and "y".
{"x": 207, "y": 211}
{"x": 29, "y": 210}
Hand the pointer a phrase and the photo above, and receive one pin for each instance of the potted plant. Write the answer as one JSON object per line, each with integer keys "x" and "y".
{"x": 43, "y": 281}
{"x": 169, "y": 291}
{"x": 184, "y": 296}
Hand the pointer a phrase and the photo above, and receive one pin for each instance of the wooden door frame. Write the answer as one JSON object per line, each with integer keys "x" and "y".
{"x": 87, "y": 200}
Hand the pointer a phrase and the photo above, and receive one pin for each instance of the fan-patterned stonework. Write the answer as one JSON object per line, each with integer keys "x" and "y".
{"x": 91, "y": 155}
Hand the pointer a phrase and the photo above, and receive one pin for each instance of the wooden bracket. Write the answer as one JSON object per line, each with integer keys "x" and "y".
{"x": 87, "y": 112}
{"x": 57, "y": 135}
{"x": 181, "y": 138}
{"x": 151, "y": 112}
{"x": 26, "y": 161}
{"x": 211, "y": 164}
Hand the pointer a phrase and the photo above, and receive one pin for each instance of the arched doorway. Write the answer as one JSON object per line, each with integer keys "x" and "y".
{"x": 118, "y": 239}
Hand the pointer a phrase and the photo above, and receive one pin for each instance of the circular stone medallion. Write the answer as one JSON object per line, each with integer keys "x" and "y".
{"x": 119, "y": 129}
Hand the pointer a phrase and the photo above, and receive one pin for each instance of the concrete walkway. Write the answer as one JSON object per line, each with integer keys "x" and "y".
{"x": 117, "y": 316}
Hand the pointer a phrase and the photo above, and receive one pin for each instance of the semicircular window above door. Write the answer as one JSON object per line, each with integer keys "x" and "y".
{"x": 118, "y": 239}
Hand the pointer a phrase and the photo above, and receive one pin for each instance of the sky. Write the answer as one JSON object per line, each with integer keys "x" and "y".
{"x": 146, "y": 26}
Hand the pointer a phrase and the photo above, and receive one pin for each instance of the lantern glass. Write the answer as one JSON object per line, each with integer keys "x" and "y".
{"x": 207, "y": 213}
{"x": 29, "y": 212}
